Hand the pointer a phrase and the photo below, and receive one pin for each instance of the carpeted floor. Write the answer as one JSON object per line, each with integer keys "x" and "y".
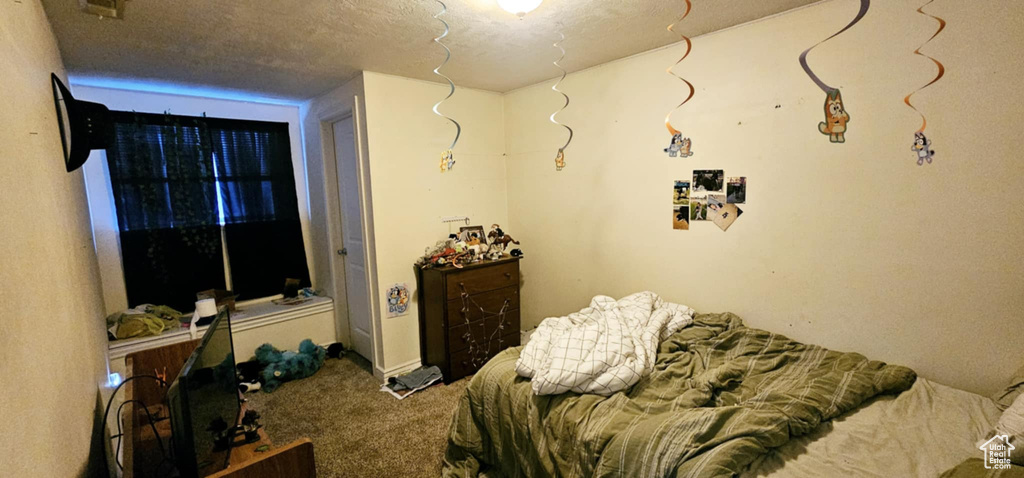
{"x": 356, "y": 429}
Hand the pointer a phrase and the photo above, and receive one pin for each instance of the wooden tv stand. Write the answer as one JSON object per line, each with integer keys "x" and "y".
{"x": 142, "y": 456}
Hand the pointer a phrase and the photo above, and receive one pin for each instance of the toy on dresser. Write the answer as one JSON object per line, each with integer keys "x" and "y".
{"x": 468, "y": 247}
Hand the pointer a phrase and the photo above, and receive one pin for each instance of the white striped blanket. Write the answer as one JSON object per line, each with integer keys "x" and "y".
{"x": 601, "y": 349}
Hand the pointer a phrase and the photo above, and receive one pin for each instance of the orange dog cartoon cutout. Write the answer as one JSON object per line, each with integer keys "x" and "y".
{"x": 836, "y": 118}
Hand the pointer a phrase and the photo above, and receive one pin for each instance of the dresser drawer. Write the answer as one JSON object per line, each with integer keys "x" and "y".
{"x": 482, "y": 279}
{"x": 491, "y": 302}
{"x": 463, "y": 363}
{"x": 481, "y": 331}
{"x": 457, "y": 339}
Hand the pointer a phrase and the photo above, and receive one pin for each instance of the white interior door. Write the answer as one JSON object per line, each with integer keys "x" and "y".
{"x": 350, "y": 258}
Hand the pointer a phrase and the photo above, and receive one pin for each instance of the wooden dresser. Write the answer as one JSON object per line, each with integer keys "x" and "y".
{"x": 461, "y": 321}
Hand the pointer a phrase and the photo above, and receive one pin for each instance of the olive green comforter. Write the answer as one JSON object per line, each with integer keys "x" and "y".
{"x": 721, "y": 395}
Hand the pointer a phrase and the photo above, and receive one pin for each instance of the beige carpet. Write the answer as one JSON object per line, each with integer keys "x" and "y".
{"x": 356, "y": 429}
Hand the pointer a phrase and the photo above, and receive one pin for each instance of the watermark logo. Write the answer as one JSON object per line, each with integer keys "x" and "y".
{"x": 997, "y": 452}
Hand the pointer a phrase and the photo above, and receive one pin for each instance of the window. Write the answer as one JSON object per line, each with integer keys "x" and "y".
{"x": 204, "y": 203}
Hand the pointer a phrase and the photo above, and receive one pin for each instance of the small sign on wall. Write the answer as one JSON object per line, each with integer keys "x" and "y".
{"x": 398, "y": 300}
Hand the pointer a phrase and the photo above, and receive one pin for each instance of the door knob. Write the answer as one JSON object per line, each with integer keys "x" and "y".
{"x": 343, "y": 251}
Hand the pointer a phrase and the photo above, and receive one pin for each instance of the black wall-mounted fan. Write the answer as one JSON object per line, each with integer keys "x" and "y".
{"x": 84, "y": 126}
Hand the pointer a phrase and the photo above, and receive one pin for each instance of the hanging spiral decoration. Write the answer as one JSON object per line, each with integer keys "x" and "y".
{"x": 689, "y": 46}
{"x": 864, "y": 6}
{"x": 560, "y": 157}
{"x": 447, "y": 158}
{"x": 942, "y": 69}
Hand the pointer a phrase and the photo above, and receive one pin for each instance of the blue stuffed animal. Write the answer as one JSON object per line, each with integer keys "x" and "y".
{"x": 280, "y": 367}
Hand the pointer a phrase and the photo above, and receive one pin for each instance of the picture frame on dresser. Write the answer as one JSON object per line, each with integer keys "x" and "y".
{"x": 467, "y": 315}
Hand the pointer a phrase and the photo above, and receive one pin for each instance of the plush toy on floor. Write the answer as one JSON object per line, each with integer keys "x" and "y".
{"x": 280, "y": 367}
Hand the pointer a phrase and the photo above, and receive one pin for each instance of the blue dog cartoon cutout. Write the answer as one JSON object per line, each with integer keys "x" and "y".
{"x": 398, "y": 300}
{"x": 680, "y": 146}
{"x": 922, "y": 146}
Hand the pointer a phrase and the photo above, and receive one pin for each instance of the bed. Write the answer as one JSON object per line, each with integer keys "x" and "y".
{"x": 723, "y": 400}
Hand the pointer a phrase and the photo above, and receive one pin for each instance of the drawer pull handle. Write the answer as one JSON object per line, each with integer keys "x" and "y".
{"x": 508, "y": 275}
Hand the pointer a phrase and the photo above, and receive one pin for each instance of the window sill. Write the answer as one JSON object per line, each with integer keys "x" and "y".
{"x": 249, "y": 315}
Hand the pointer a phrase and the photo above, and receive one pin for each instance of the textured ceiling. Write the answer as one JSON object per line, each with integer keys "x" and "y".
{"x": 297, "y": 49}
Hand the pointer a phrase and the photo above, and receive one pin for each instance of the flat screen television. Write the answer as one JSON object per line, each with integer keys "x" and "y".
{"x": 203, "y": 400}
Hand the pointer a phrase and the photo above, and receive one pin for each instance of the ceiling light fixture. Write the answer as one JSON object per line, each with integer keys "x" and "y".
{"x": 519, "y": 7}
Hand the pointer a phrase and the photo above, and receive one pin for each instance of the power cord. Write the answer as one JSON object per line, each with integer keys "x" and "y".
{"x": 152, "y": 424}
{"x": 106, "y": 414}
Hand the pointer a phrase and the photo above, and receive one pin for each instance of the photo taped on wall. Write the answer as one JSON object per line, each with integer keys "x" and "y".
{"x": 727, "y": 215}
{"x": 736, "y": 190}
{"x": 699, "y": 209}
{"x": 708, "y": 181}
{"x": 681, "y": 218}
{"x": 715, "y": 203}
{"x": 681, "y": 193}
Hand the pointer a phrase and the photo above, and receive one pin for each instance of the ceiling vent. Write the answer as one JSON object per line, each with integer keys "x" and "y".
{"x": 103, "y": 8}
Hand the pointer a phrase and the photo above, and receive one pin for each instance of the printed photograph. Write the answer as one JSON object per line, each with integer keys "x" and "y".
{"x": 681, "y": 193}
{"x": 715, "y": 203}
{"x": 708, "y": 181}
{"x": 472, "y": 235}
{"x": 699, "y": 209}
{"x": 681, "y": 218}
{"x": 737, "y": 190}
{"x": 727, "y": 215}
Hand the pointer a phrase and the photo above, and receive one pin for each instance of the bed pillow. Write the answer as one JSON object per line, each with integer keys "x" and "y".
{"x": 1005, "y": 397}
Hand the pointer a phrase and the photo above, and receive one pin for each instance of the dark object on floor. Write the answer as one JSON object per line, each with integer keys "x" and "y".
{"x": 291, "y": 288}
{"x": 249, "y": 371}
{"x": 280, "y": 367}
{"x": 246, "y": 387}
{"x": 336, "y": 350}
{"x": 516, "y": 253}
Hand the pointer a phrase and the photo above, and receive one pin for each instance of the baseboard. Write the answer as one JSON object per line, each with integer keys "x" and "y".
{"x": 409, "y": 366}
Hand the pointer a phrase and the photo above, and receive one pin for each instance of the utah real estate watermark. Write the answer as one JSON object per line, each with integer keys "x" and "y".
{"x": 997, "y": 452}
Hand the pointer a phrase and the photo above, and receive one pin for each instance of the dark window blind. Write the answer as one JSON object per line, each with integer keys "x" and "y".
{"x": 177, "y": 180}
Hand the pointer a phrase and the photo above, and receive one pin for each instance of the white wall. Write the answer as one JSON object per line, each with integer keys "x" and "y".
{"x": 851, "y": 246}
{"x": 410, "y": 194}
{"x": 401, "y": 141}
{"x": 52, "y": 347}
{"x": 101, "y": 200}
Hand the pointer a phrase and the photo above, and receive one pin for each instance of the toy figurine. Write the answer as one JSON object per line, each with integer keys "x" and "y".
{"x": 497, "y": 236}
{"x": 922, "y": 147}
{"x": 560, "y": 160}
{"x": 494, "y": 252}
{"x": 447, "y": 160}
{"x": 836, "y": 118}
{"x": 251, "y": 426}
{"x": 680, "y": 146}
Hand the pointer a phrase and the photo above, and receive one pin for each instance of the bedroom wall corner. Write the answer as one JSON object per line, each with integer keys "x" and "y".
{"x": 851, "y": 246}
{"x": 54, "y": 340}
{"x": 409, "y": 192}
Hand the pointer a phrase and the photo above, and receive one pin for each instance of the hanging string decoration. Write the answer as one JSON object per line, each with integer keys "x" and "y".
{"x": 922, "y": 145}
{"x": 447, "y": 158}
{"x": 479, "y": 354}
{"x": 560, "y": 157}
{"x": 836, "y": 116}
{"x": 679, "y": 146}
